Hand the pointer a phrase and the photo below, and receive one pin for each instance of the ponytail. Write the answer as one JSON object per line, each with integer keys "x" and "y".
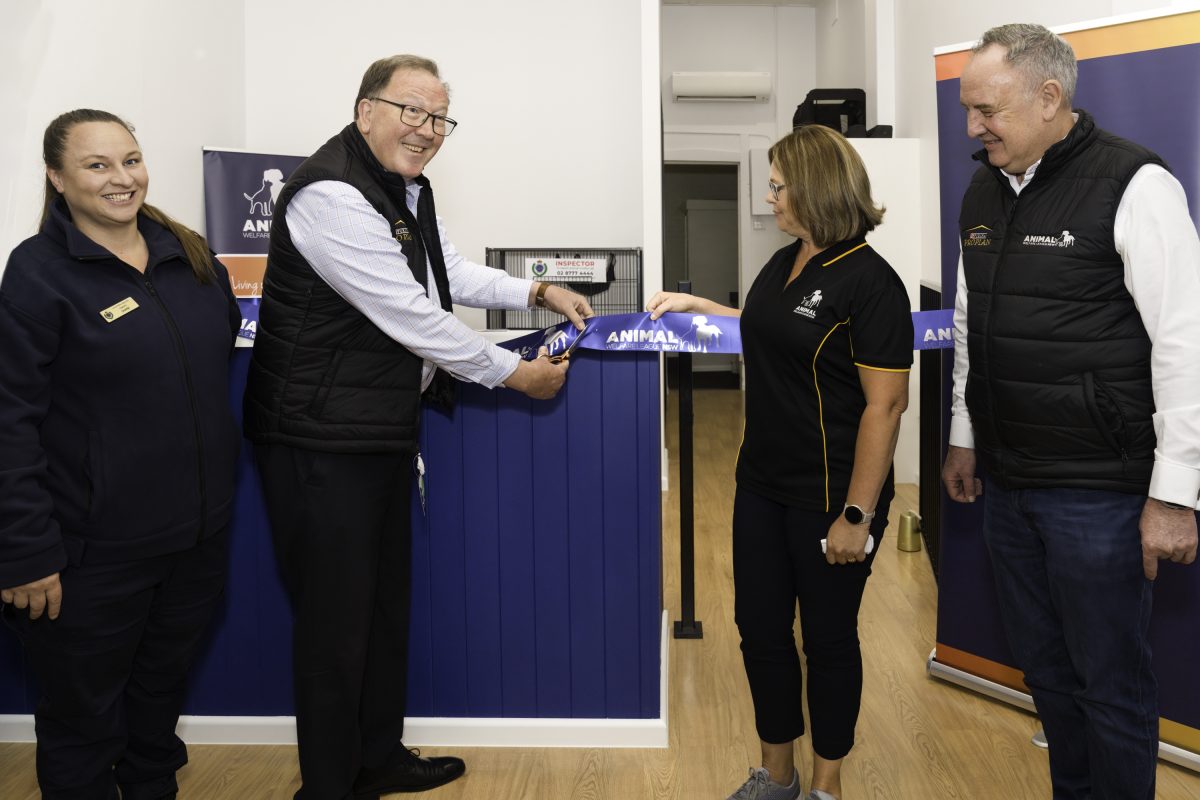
{"x": 194, "y": 245}
{"x": 54, "y": 142}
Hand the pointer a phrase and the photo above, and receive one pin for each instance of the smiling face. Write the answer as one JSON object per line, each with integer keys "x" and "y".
{"x": 402, "y": 148}
{"x": 1016, "y": 122}
{"x": 103, "y": 178}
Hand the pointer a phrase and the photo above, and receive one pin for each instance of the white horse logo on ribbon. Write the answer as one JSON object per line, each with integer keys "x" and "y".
{"x": 705, "y": 332}
{"x": 555, "y": 341}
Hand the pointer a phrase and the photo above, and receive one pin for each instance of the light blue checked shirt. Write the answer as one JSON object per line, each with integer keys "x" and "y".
{"x": 351, "y": 247}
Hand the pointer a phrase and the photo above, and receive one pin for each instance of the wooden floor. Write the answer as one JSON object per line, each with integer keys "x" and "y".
{"x": 918, "y": 738}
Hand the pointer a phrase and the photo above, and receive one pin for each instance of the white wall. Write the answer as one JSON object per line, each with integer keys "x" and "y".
{"x": 786, "y": 42}
{"x": 845, "y": 59}
{"x": 549, "y": 95}
{"x": 173, "y": 70}
{"x": 894, "y": 165}
{"x": 755, "y": 38}
{"x": 549, "y": 144}
{"x": 854, "y": 51}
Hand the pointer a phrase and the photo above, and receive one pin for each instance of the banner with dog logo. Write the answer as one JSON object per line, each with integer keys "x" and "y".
{"x": 240, "y": 191}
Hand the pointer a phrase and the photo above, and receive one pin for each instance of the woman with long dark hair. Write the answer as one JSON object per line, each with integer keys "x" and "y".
{"x": 117, "y": 453}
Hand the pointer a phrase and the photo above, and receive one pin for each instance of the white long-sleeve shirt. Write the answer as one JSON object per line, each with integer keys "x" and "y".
{"x": 350, "y": 246}
{"x": 1157, "y": 241}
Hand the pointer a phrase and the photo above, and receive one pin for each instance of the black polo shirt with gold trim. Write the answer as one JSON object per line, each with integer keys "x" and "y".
{"x": 803, "y": 344}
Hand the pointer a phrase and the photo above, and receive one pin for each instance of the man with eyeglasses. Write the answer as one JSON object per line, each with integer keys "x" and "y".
{"x": 355, "y": 327}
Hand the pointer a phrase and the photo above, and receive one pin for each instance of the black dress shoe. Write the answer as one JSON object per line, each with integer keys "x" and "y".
{"x": 406, "y": 771}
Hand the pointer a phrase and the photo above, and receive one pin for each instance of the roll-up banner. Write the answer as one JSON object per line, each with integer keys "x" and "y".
{"x": 240, "y": 191}
{"x": 1139, "y": 76}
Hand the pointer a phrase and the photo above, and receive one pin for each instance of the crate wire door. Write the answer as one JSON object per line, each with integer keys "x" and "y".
{"x": 621, "y": 294}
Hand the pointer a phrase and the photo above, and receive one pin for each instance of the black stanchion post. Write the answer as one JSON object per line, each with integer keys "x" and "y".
{"x": 688, "y": 627}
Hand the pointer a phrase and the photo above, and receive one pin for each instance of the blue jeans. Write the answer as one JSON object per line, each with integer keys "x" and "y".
{"x": 1076, "y": 608}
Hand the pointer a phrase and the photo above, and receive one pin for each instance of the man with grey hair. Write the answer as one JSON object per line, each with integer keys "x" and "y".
{"x": 355, "y": 329}
{"x": 1076, "y": 386}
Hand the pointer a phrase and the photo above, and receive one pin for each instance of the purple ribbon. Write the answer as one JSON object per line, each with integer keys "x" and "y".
{"x": 933, "y": 330}
{"x": 670, "y": 333}
{"x": 249, "y": 309}
{"x": 689, "y": 333}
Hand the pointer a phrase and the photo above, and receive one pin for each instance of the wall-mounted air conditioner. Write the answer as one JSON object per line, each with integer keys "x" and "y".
{"x": 720, "y": 86}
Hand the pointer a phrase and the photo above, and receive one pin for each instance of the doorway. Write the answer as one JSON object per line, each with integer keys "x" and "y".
{"x": 700, "y": 244}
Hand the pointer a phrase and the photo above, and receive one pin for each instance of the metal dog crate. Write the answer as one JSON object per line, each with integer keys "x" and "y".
{"x": 620, "y": 294}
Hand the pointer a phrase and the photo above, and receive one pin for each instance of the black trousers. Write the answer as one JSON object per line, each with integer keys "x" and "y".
{"x": 343, "y": 538}
{"x": 112, "y": 670}
{"x": 777, "y": 561}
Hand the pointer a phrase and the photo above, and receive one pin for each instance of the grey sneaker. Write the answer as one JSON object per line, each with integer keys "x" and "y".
{"x": 761, "y": 787}
{"x": 817, "y": 794}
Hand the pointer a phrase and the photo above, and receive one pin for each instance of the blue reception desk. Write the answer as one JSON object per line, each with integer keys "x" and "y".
{"x": 536, "y": 573}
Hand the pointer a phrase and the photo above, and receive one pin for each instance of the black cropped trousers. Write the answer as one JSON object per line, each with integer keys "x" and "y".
{"x": 777, "y": 565}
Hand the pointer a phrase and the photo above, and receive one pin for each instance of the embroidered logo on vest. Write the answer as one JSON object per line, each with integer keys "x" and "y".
{"x": 1065, "y": 240}
{"x": 400, "y": 231}
{"x": 979, "y": 236}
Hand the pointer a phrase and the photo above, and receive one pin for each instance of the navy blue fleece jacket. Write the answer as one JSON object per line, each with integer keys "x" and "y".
{"x": 116, "y": 437}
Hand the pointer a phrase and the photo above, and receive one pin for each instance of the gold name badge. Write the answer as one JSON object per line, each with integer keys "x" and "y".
{"x": 118, "y": 310}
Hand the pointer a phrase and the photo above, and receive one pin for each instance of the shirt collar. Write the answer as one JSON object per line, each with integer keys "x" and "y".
{"x": 1029, "y": 173}
{"x": 835, "y": 252}
{"x": 59, "y": 225}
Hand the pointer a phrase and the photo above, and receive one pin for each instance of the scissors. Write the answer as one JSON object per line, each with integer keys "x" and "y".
{"x": 566, "y": 354}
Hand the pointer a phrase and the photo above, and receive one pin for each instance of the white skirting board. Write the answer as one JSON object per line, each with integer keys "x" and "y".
{"x": 1166, "y": 752}
{"x": 430, "y": 731}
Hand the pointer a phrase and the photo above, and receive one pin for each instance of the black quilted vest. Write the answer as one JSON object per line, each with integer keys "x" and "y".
{"x": 322, "y": 375}
{"x": 1059, "y": 388}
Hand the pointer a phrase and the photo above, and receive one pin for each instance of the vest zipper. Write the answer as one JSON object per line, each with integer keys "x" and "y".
{"x": 191, "y": 392}
{"x": 1103, "y": 388}
{"x": 987, "y": 339}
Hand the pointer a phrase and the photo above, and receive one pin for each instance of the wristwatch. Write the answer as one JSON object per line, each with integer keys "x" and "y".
{"x": 856, "y": 516}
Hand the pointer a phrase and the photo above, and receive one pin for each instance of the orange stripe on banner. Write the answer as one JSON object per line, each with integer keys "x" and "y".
{"x": 1179, "y": 735}
{"x": 984, "y": 668}
{"x": 951, "y": 65}
{"x": 1136, "y": 37}
{"x": 245, "y": 273}
{"x": 1110, "y": 40}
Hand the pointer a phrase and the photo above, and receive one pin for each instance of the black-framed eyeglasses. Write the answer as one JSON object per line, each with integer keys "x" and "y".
{"x": 416, "y": 116}
{"x": 775, "y": 188}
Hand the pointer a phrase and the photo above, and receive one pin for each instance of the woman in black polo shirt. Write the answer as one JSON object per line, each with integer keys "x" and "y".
{"x": 827, "y": 341}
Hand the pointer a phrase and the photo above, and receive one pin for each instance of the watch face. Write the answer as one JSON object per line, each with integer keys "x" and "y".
{"x": 854, "y": 515}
